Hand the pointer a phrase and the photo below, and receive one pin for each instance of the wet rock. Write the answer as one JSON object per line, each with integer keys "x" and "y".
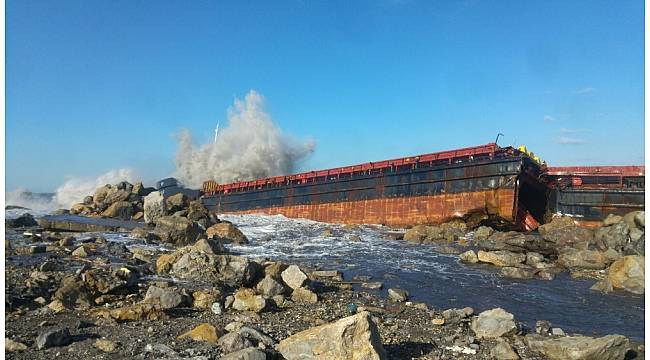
{"x": 176, "y": 202}
{"x": 454, "y": 316}
{"x": 503, "y": 351}
{"x": 612, "y": 219}
{"x": 166, "y": 298}
{"x": 294, "y": 277}
{"x": 483, "y": 233}
{"x": 105, "y": 345}
{"x": 493, "y": 324}
{"x": 24, "y": 220}
{"x": 154, "y": 207}
{"x": 546, "y": 274}
{"x": 136, "y": 312}
{"x": 203, "y": 332}
{"x": 542, "y": 327}
{"x": 304, "y": 295}
{"x": 13, "y": 346}
{"x": 501, "y": 257}
{"x": 610, "y": 347}
{"x": 48, "y": 265}
{"x": 517, "y": 273}
{"x": 119, "y": 210}
{"x": 227, "y": 233}
{"x": 628, "y": 273}
{"x": 227, "y": 269}
{"x": 468, "y": 257}
{"x": 353, "y": 337}
{"x": 556, "y": 224}
{"x": 177, "y": 230}
{"x": 373, "y": 285}
{"x": 269, "y": 287}
{"x": 584, "y": 259}
{"x": 67, "y": 241}
{"x": 203, "y": 299}
{"x": 533, "y": 258}
{"x": 80, "y": 252}
{"x": 398, "y": 295}
{"x": 209, "y": 247}
{"x": 327, "y": 232}
{"x": 247, "y": 300}
{"x": 612, "y": 237}
{"x": 421, "y": 233}
{"x": 233, "y": 342}
{"x": 53, "y": 337}
{"x": 251, "y": 353}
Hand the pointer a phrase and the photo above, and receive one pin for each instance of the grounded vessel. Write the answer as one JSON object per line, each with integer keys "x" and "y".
{"x": 502, "y": 184}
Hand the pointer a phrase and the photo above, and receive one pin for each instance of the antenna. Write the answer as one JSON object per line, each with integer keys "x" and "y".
{"x": 497, "y": 140}
{"x": 216, "y": 133}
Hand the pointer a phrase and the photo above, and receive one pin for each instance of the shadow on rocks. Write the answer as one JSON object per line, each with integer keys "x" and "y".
{"x": 408, "y": 350}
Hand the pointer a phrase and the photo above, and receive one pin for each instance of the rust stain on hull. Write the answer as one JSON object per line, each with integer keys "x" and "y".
{"x": 401, "y": 211}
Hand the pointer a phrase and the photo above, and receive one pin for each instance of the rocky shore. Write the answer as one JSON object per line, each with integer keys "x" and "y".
{"x": 171, "y": 290}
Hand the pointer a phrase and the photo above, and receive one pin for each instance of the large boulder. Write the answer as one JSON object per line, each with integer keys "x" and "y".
{"x": 556, "y": 223}
{"x": 177, "y": 230}
{"x": 119, "y": 195}
{"x": 582, "y": 259}
{"x": 628, "y": 273}
{"x": 516, "y": 242}
{"x": 196, "y": 211}
{"x": 101, "y": 194}
{"x": 154, "y": 206}
{"x": 353, "y": 337}
{"x": 167, "y": 298}
{"x": 176, "y": 202}
{"x": 227, "y": 233}
{"x": 493, "y": 324}
{"x": 483, "y": 233}
{"x": 270, "y": 287}
{"x": 501, "y": 258}
{"x": 23, "y": 220}
{"x": 614, "y": 237}
{"x": 119, "y": 210}
{"x": 570, "y": 236}
{"x": 294, "y": 277}
{"x": 247, "y": 300}
{"x": 610, "y": 347}
{"x": 630, "y": 219}
{"x": 227, "y": 269}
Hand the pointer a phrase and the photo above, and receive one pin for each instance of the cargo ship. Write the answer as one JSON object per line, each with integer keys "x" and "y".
{"x": 500, "y": 184}
{"x": 590, "y": 193}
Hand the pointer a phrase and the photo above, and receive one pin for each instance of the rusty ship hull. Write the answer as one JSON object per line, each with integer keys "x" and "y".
{"x": 501, "y": 184}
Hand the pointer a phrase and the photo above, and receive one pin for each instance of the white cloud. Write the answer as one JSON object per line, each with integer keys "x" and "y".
{"x": 586, "y": 90}
{"x": 572, "y": 131}
{"x": 548, "y": 119}
{"x": 565, "y": 140}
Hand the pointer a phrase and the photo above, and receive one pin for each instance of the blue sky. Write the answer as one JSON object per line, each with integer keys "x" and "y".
{"x": 99, "y": 85}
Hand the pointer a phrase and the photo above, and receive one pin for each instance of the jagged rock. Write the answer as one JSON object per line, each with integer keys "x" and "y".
{"x": 102, "y": 281}
{"x": 193, "y": 265}
{"x": 154, "y": 207}
{"x": 304, "y": 295}
{"x": 101, "y": 194}
{"x": 23, "y": 220}
{"x": 294, "y": 277}
{"x": 612, "y": 237}
{"x": 398, "y": 295}
{"x": 635, "y": 234}
{"x": 612, "y": 219}
{"x": 353, "y": 337}
{"x": 176, "y": 202}
{"x": 81, "y": 209}
{"x": 555, "y": 224}
{"x": 517, "y": 273}
{"x": 454, "y": 316}
{"x": 503, "y": 351}
{"x": 227, "y": 233}
{"x": 469, "y": 257}
{"x": 628, "y": 273}
{"x": 635, "y": 248}
{"x": 212, "y": 247}
{"x": 117, "y": 196}
{"x": 247, "y": 300}
{"x": 203, "y": 332}
{"x": 177, "y": 230}
{"x": 533, "y": 258}
{"x": 274, "y": 269}
{"x": 73, "y": 292}
{"x": 269, "y": 287}
{"x": 120, "y": 210}
{"x": 610, "y": 347}
{"x": 105, "y": 345}
{"x": 67, "y": 241}
{"x": 135, "y": 312}
{"x": 203, "y": 299}
{"x": 251, "y": 353}
{"x": 53, "y": 337}
{"x": 80, "y": 252}
{"x": 197, "y": 211}
{"x": 483, "y": 233}
{"x": 571, "y": 236}
{"x": 542, "y": 327}
{"x": 585, "y": 259}
{"x": 516, "y": 242}
{"x": 493, "y": 324}
{"x": 501, "y": 257}
{"x": 233, "y": 342}
{"x": 423, "y": 233}
{"x": 13, "y": 346}
{"x": 167, "y": 298}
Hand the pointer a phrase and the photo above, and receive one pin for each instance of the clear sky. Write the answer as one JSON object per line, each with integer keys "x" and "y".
{"x": 99, "y": 85}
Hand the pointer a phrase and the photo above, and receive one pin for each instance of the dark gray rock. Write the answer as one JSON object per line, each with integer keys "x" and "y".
{"x": 53, "y": 337}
